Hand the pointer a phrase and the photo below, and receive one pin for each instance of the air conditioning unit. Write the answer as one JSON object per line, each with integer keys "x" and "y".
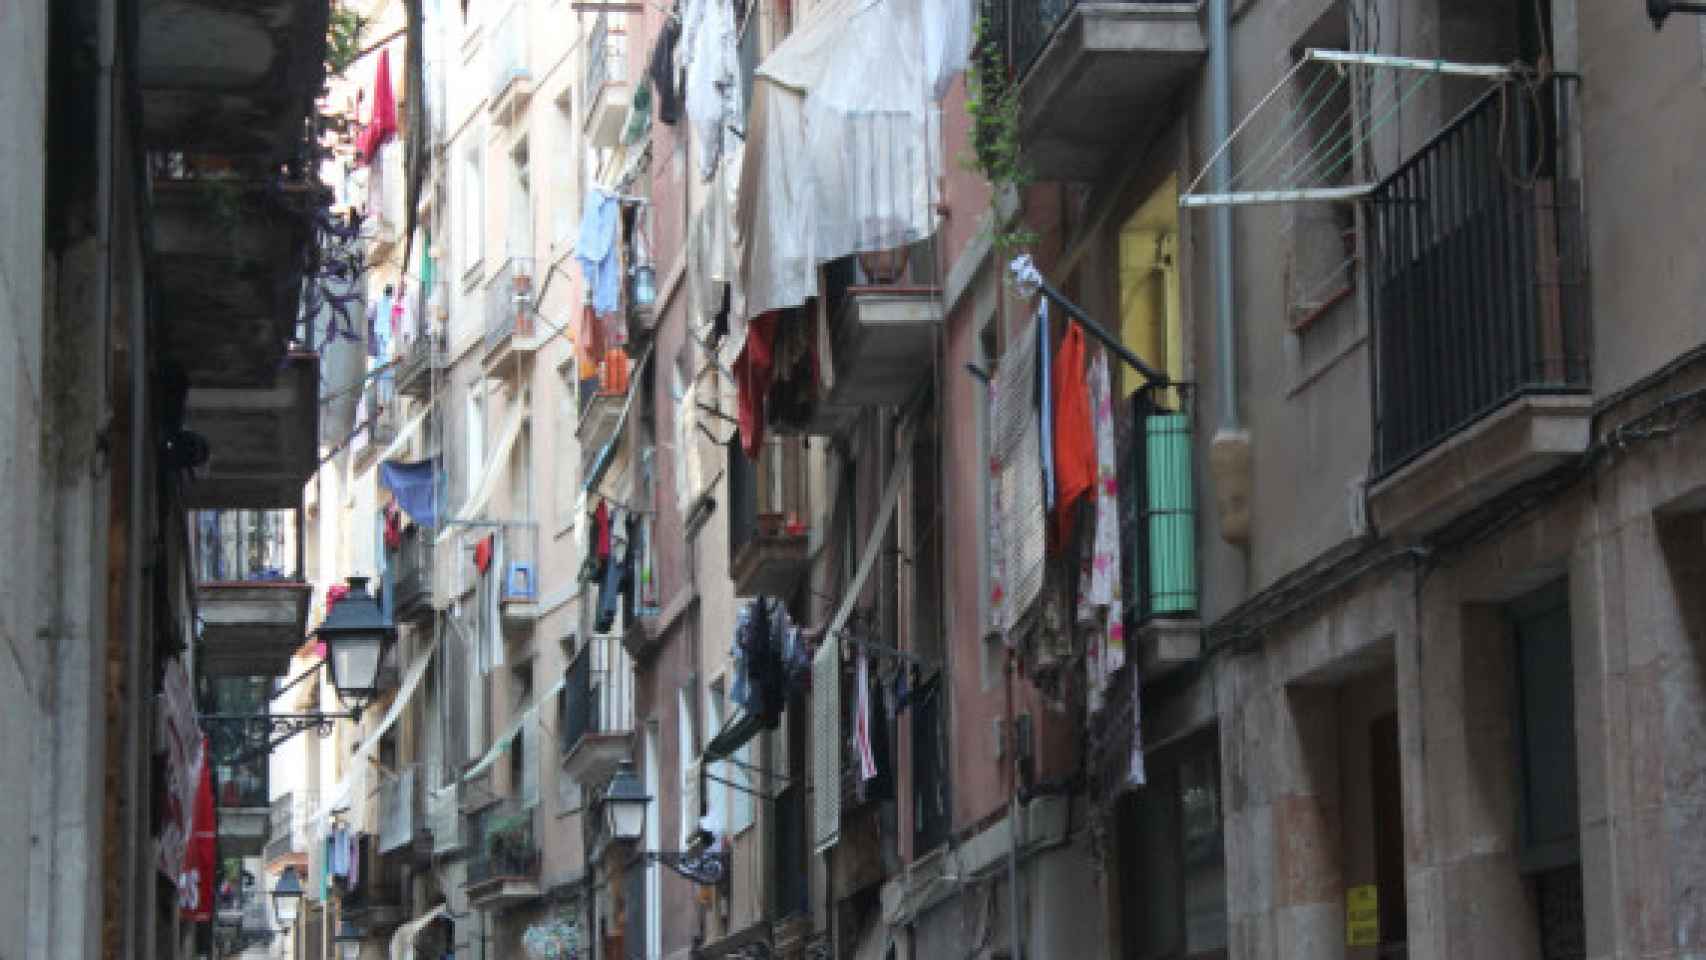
{"x": 519, "y": 583}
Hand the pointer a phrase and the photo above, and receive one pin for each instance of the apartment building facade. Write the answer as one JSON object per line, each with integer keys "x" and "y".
{"x": 1391, "y": 656}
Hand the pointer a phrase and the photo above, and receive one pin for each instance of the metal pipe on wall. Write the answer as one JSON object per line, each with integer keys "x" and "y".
{"x": 1220, "y": 122}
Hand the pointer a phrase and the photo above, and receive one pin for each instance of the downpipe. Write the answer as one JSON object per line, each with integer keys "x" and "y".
{"x": 1229, "y": 451}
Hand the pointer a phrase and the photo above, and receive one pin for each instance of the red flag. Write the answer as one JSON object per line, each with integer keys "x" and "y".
{"x": 195, "y": 882}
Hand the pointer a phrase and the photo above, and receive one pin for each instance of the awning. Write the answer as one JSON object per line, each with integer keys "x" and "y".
{"x": 495, "y": 465}
{"x": 403, "y": 941}
{"x": 740, "y": 728}
{"x": 501, "y": 744}
{"x": 341, "y": 795}
{"x": 841, "y": 159}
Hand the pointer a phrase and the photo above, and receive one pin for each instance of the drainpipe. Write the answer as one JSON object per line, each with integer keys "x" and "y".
{"x": 1229, "y": 452}
{"x": 1015, "y": 931}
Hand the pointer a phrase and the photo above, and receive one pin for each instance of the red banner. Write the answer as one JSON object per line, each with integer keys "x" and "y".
{"x": 201, "y": 861}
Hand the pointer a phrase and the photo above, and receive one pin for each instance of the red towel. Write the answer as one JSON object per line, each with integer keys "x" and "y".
{"x": 483, "y": 554}
{"x": 1074, "y": 436}
{"x": 601, "y": 530}
{"x": 382, "y": 124}
{"x": 753, "y": 372}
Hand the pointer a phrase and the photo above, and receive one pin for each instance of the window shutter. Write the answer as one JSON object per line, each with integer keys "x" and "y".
{"x": 826, "y": 744}
{"x": 691, "y": 780}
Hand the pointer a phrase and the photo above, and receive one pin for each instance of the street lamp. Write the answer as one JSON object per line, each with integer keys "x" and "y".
{"x": 625, "y": 805}
{"x": 1658, "y": 10}
{"x": 357, "y": 635}
{"x": 348, "y": 938}
{"x": 286, "y": 898}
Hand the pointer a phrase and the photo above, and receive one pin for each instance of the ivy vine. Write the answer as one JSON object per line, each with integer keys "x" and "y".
{"x": 343, "y": 39}
{"x": 992, "y": 103}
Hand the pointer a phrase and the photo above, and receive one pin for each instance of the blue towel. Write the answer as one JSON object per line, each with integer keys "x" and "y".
{"x": 597, "y": 253}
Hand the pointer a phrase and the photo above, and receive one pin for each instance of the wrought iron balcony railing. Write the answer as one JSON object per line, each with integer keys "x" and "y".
{"x": 506, "y": 846}
{"x": 509, "y": 302}
{"x": 1477, "y": 266}
{"x": 234, "y": 546}
{"x": 1022, "y": 28}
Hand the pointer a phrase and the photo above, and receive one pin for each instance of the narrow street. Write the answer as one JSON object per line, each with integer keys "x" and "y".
{"x": 852, "y": 480}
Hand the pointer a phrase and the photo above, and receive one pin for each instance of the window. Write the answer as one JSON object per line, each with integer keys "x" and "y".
{"x": 476, "y": 435}
{"x": 565, "y": 170}
{"x": 566, "y": 467}
{"x": 520, "y": 203}
{"x": 1173, "y": 858}
{"x": 1151, "y": 321}
{"x": 687, "y": 755}
{"x": 524, "y": 752}
{"x": 1323, "y": 235}
{"x": 716, "y": 791}
{"x": 473, "y": 211}
{"x": 742, "y": 805}
{"x": 1548, "y": 825}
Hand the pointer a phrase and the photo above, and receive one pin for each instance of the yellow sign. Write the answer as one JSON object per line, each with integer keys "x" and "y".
{"x": 1362, "y": 916}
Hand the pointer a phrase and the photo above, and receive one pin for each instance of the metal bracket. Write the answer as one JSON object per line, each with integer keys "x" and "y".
{"x": 706, "y": 868}
{"x": 230, "y": 733}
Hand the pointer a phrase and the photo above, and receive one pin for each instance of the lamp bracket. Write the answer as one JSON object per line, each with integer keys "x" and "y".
{"x": 236, "y": 737}
{"x": 707, "y": 868}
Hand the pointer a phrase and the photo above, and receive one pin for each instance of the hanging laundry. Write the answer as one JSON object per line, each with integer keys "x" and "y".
{"x": 1074, "y": 437}
{"x": 1045, "y": 394}
{"x": 601, "y": 531}
{"x": 1017, "y": 460}
{"x": 661, "y": 70}
{"x": 753, "y": 371}
{"x": 416, "y": 487}
{"x": 711, "y": 55}
{"x": 597, "y": 251}
{"x": 393, "y": 526}
{"x": 483, "y": 553}
{"x": 589, "y": 344}
{"x": 382, "y": 123}
{"x": 862, "y": 717}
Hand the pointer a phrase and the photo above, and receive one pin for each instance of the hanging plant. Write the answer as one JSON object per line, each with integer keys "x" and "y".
{"x": 557, "y": 938}
{"x": 992, "y": 103}
{"x": 343, "y": 39}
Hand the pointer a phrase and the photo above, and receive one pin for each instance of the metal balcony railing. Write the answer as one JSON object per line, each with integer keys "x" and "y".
{"x": 400, "y": 809}
{"x": 605, "y": 52}
{"x": 506, "y": 846}
{"x": 241, "y": 782}
{"x": 279, "y": 824}
{"x": 1022, "y": 28}
{"x": 598, "y": 694}
{"x": 411, "y": 565}
{"x": 769, "y": 499}
{"x": 1157, "y": 511}
{"x": 509, "y": 49}
{"x": 509, "y": 301}
{"x": 382, "y": 409}
{"x": 1477, "y": 264}
{"x": 233, "y": 546}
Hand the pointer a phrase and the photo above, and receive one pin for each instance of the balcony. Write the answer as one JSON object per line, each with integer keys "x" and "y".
{"x": 250, "y": 592}
{"x": 376, "y": 905}
{"x": 1480, "y": 326}
{"x": 504, "y": 869}
{"x": 510, "y": 325}
{"x": 444, "y": 819}
{"x": 287, "y": 836}
{"x": 882, "y": 336}
{"x": 512, "y": 79}
{"x": 597, "y": 721}
{"x": 424, "y": 362}
{"x": 400, "y": 810}
{"x": 262, "y": 438}
{"x": 240, "y": 791}
{"x": 607, "y": 89}
{"x": 1090, "y": 72}
{"x": 377, "y": 419}
{"x": 769, "y": 517}
{"x": 601, "y": 407}
{"x": 411, "y": 575}
{"x": 1158, "y": 536}
{"x": 518, "y": 591}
